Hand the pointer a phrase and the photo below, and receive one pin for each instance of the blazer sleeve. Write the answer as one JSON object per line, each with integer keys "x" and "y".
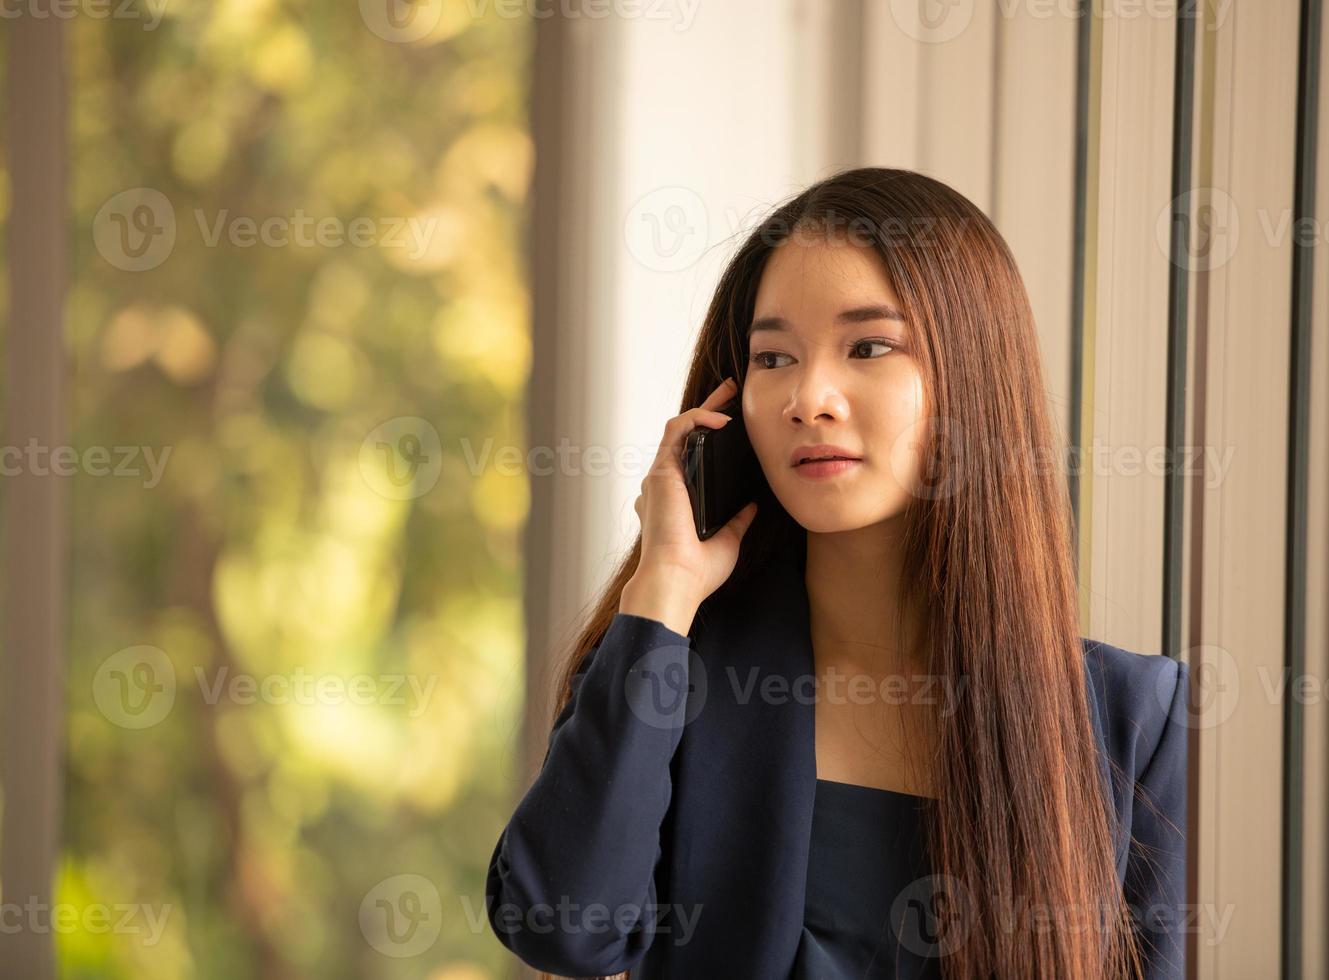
{"x": 571, "y": 883}
{"x": 1155, "y": 880}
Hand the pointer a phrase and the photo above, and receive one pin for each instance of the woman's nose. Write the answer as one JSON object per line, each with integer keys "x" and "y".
{"x": 816, "y": 395}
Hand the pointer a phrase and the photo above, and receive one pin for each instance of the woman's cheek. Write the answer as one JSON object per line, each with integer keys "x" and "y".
{"x": 907, "y": 444}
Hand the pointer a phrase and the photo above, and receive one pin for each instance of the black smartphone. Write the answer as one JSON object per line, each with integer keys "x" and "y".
{"x": 721, "y": 471}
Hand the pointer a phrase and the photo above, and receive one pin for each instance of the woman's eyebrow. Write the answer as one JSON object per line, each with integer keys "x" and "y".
{"x": 859, "y": 314}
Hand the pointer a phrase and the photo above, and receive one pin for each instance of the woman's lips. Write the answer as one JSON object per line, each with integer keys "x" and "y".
{"x": 819, "y": 469}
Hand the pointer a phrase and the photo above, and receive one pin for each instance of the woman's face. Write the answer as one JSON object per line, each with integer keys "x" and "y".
{"x": 830, "y": 362}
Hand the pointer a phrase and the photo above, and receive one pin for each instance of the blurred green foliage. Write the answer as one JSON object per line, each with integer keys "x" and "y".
{"x": 262, "y": 831}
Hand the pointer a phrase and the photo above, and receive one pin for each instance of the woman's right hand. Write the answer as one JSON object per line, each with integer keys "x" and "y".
{"x": 673, "y": 559}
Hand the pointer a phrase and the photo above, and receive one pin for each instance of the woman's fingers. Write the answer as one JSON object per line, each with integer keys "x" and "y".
{"x": 677, "y": 429}
{"x": 727, "y": 389}
{"x": 670, "y": 454}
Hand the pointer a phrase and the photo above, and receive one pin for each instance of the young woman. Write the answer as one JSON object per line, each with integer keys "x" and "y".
{"x": 856, "y": 733}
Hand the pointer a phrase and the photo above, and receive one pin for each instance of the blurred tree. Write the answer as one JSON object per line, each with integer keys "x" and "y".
{"x": 298, "y": 313}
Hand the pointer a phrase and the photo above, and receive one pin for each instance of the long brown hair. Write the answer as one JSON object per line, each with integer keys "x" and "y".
{"x": 1023, "y": 820}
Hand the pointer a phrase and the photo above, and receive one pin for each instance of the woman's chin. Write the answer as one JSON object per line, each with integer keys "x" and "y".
{"x": 826, "y": 520}
{"x": 832, "y": 517}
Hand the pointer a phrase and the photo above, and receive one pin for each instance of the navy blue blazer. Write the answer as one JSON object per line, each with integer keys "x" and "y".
{"x": 668, "y": 829}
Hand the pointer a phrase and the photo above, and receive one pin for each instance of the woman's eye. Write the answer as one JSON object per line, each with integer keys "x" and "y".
{"x": 880, "y": 341}
{"x": 760, "y": 358}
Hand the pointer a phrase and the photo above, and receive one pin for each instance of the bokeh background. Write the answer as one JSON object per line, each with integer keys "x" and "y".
{"x": 258, "y": 377}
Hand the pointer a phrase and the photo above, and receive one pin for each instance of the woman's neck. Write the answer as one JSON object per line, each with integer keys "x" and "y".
{"x": 853, "y": 581}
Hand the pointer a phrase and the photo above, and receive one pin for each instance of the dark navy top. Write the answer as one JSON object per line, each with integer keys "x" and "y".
{"x": 669, "y": 829}
{"x": 870, "y": 898}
